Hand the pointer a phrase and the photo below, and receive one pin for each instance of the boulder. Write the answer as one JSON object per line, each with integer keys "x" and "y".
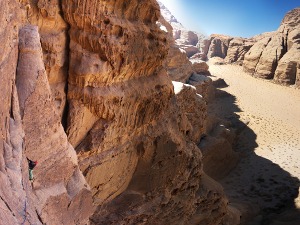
{"x": 218, "y": 46}
{"x": 200, "y": 67}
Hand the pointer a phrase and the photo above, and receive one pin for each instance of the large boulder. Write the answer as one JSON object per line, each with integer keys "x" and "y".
{"x": 218, "y": 46}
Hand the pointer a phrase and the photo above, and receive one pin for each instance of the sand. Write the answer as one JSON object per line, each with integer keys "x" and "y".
{"x": 265, "y": 183}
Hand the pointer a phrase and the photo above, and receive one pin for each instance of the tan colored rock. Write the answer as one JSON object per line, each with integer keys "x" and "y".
{"x": 13, "y": 168}
{"x": 194, "y": 108}
{"x": 252, "y": 57}
{"x": 287, "y": 71}
{"x": 179, "y": 67}
{"x": 48, "y": 16}
{"x": 187, "y": 40}
{"x": 218, "y": 46}
{"x": 237, "y": 49}
{"x": 200, "y": 67}
{"x": 276, "y": 56}
{"x": 203, "y": 86}
{"x": 61, "y": 193}
{"x": 138, "y": 156}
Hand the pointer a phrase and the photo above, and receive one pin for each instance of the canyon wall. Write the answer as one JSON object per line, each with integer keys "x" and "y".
{"x": 127, "y": 153}
{"x": 271, "y": 55}
{"x": 31, "y": 128}
{"x": 278, "y": 57}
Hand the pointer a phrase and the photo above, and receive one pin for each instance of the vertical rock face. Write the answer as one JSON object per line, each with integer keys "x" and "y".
{"x": 136, "y": 151}
{"x": 189, "y": 41}
{"x": 12, "y": 189}
{"x": 237, "y": 49}
{"x": 218, "y": 46}
{"x": 60, "y": 195}
{"x": 135, "y": 138}
{"x": 277, "y": 55}
{"x": 47, "y": 15}
{"x": 116, "y": 78}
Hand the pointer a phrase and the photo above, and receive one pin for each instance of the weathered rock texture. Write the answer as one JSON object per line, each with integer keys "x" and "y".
{"x": 218, "y": 46}
{"x": 134, "y": 133}
{"x": 48, "y": 16}
{"x": 31, "y": 128}
{"x": 179, "y": 67}
{"x": 138, "y": 153}
{"x": 277, "y": 56}
{"x": 189, "y": 41}
{"x": 60, "y": 188}
{"x": 237, "y": 49}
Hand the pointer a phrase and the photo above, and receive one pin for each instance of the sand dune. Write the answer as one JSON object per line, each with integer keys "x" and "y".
{"x": 265, "y": 184}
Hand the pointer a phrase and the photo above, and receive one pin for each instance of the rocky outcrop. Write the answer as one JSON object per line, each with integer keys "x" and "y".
{"x": 237, "y": 49}
{"x": 179, "y": 68}
{"x": 30, "y": 127}
{"x": 277, "y": 54}
{"x": 218, "y": 46}
{"x": 189, "y": 41}
{"x": 138, "y": 156}
{"x": 48, "y": 16}
{"x": 135, "y": 133}
{"x": 61, "y": 195}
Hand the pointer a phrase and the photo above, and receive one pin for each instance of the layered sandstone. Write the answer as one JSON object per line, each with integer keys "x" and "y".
{"x": 48, "y": 16}
{"x": 277, "y": 55}
{"x": 138, "y": 153}
{"x": 59, "y": 188}
{"x": 179, "y": 68}
{"x": 237, "y": 49}
{"x": 135, "y": 133}
{"x": 218, "y": 46}
{"x": 31, "y": 128}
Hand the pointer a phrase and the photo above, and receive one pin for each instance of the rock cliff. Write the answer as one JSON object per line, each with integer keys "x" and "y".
{"x": 129, "y": 146}
{"x": 277, "y": 56}
{"x": 31, "y": 128}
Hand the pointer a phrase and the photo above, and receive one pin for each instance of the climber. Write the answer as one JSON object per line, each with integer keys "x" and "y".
{"x": 31, "y": 165}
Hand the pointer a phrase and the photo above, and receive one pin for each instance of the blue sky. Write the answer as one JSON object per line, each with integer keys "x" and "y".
{"x": 231, "y": 17}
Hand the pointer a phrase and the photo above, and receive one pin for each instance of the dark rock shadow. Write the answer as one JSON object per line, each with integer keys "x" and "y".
{"x": 259, "y": 188}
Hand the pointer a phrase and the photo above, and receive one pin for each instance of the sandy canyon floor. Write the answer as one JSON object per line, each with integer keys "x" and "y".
{"x": 265, "y": 182}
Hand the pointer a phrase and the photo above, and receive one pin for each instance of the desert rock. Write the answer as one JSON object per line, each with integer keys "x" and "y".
{"x": 48, "y": 16}
{"x": 46, "y": 142}
{"x": 277, "y": 55}
{"x": 218, "y": 46}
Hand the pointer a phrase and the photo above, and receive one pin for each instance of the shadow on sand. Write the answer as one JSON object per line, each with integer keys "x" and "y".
{"x": 260, "y": 189}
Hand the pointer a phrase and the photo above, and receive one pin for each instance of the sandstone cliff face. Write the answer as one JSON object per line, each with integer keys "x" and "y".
{"x": 138, "y": 153}
{"x": 237, "y": 49}
{"x": 277, "y": 55}
{"x": 60, "y": 189}
{"x": 218, "y": 46}
{"x": 179, "y": 68}
{"x": 134, "y": 132}
{"x": 31, "y": 128}
{"x": 48, "y": 16}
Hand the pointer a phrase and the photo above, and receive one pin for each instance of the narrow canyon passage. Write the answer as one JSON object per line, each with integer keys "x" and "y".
{"x": 266, "y": 180}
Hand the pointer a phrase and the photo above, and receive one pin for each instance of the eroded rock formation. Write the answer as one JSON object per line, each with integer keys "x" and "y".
{"x": 59, "y": 186}
{"x": 277, "y": 55}
{"x": 189, "y": 41}
{"x": 31, "y": 128}
{"x": 135, "y": 133}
